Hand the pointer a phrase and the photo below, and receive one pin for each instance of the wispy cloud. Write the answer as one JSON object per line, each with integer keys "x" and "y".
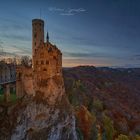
{"x": 13, "y": 50}
{"x": 67, "y": 14}
{"x": 90, "y": 55}
{"x": 136, "y": 57}
{"x": 54, "y": 9}
{"x": 67, "y": 11}
{"x": 19, "y": 37}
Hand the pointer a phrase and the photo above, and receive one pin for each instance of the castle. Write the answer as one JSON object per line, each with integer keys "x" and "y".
{"x": 45, "y": 75}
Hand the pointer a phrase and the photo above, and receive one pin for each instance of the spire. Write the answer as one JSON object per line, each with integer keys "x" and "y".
{"x": 47, "y": 37}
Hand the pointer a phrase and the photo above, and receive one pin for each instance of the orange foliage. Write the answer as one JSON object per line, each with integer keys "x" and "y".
{"x": 85, "y": 121}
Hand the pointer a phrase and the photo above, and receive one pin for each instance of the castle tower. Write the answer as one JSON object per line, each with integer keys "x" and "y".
{"x": 37, "y": 34}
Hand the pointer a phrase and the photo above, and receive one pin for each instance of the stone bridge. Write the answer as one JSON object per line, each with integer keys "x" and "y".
{"x": 7, "y": 78}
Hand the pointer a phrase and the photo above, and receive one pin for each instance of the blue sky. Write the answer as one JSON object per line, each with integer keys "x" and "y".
{"x": 88, "y": 32}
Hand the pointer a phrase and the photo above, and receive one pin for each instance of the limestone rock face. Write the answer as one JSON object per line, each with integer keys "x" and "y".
{"x": 39, "y": 121}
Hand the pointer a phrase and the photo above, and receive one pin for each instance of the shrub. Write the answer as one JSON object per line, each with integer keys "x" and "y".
{"x": 122, "y": 137}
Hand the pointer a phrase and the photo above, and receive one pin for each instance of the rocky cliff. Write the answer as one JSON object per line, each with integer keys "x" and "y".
{"x": 36, "y": 119}
{"x": 47, "y": 115}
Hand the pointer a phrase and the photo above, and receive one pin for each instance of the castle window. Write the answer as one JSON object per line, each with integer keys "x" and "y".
{"x": 19, "y": 75}
{"x": 54, "y": 57}
{"x": 36, "y": 62}
{"x": 42, "y": 62}
{"x": 44, "y": 69}
{"x": 47, "y": 62}
{"x": 35, "y": 35}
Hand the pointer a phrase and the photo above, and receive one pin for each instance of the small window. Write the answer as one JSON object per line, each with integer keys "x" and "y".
{"x": 35, "y": 35}
{"x": 44, "y": 69}
{"x": 54, "y": 57}
{"x": 36, "y": 62}
{"x": 42, "y": 62}
{"x": 19, "y": 75}
{"x": 47, "y": 62}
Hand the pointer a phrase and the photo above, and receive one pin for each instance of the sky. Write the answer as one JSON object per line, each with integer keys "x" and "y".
{"x": 88, "y": 32}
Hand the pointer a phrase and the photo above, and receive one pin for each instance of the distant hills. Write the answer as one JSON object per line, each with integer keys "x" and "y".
{"x": 118, "y": 89}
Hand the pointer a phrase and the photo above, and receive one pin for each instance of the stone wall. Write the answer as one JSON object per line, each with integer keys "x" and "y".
{"x": 24, "y": 81}
{"x": 47, "y": 72}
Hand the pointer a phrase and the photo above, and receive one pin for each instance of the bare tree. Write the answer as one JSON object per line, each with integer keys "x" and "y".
{"x": 26, "y": 61}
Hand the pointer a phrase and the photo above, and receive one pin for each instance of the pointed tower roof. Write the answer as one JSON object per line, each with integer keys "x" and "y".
{"x": 47, "y": 38}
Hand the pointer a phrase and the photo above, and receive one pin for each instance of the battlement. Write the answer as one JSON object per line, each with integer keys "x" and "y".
{"x": 47, "y": 47}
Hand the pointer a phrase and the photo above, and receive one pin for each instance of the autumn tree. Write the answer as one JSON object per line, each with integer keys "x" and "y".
{"x": 108, "y": 126}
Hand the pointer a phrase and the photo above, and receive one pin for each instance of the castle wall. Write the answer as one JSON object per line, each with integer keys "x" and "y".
{"x": 47, "y": 72}
{"x": 24, "y": 81}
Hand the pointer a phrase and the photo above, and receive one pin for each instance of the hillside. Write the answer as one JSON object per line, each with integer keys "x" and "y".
{"x": 104, "y": 105}
{"x": 107, "y": 92}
